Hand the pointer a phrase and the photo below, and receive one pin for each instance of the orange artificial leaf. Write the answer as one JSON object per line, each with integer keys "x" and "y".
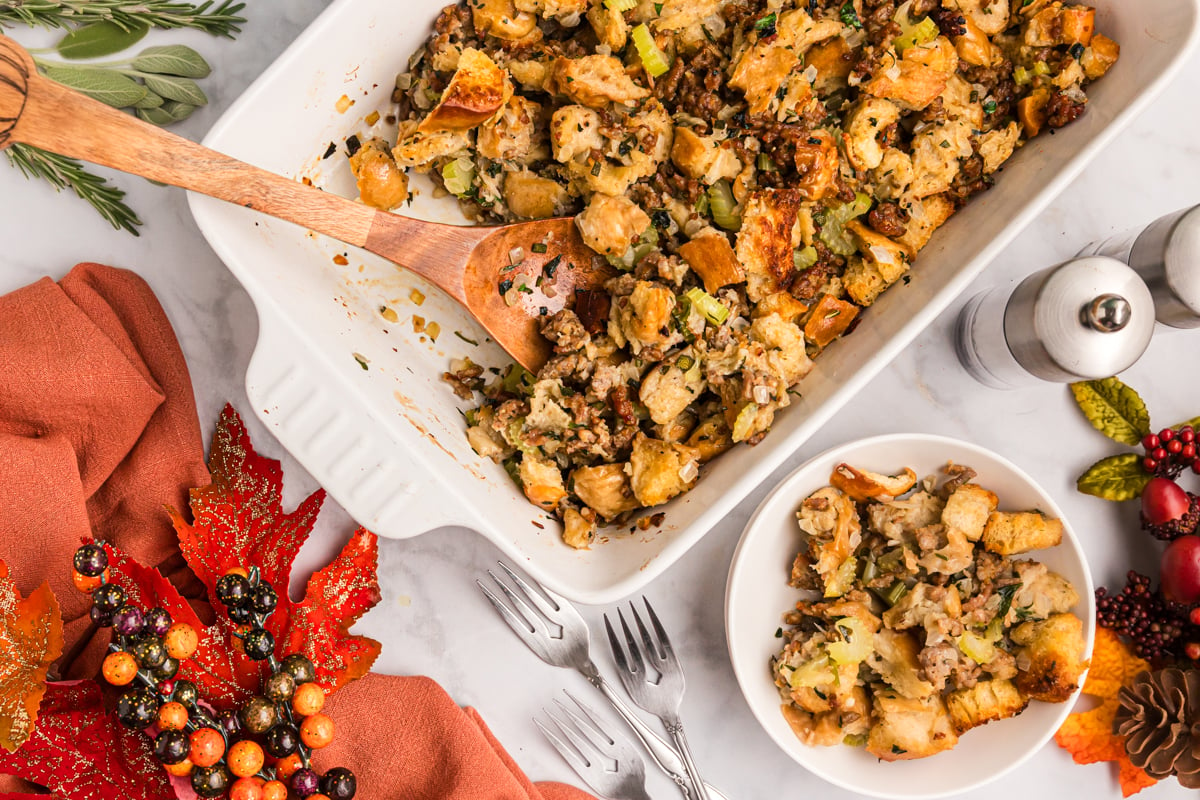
{"x": 31, "y": 638}
{"x": 1088, "y": 735}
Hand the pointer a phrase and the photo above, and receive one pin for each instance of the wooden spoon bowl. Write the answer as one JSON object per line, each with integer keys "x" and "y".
{"x": 473, "y": 264}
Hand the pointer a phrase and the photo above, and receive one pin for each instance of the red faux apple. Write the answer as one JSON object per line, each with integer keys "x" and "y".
{"x": 1180, "y": 570}
{"x": 1163, "y": 501}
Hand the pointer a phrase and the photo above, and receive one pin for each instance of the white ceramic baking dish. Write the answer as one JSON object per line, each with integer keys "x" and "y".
{"x": 355, "y": 394}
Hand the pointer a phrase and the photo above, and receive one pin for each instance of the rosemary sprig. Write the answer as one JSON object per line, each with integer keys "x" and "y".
{"x": 67, "y": 173}
{"x": 224, "y": 20}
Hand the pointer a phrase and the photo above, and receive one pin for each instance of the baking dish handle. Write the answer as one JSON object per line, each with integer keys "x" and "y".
{"x": 336, "y": 437}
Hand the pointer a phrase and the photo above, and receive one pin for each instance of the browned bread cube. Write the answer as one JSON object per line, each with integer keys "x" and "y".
{"x": 1008, "y": 534}
{"x": 906, "y": 727}
{"x": 1055, "y": 648}
{"x": 968, "y": 509}
{"x": 982, "y": 703}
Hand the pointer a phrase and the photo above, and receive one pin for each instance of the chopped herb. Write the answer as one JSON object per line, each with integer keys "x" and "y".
{"x": 330, "y": 150}
{"x": 907, "y": 280}
{"x": 658, "y": 7}
{"x": 624, "y": 148}
{"x": 833, "y": 313}
{"x": 495, "y": 168}
{"x": 974, "y": 95}
{"x": 660, "y": 218}
{"x": 779, "y": 633}
{"x": 1006, "y": 597}
{"x": 897, "y": 749}
{"x": 540, "y": 247}
{"x": 850, "y": 16}
{"x": 362, "y": 360}
{"x": 942, "y": 556}
{"x": 989, "y": 107}
{"x": 353, "y": 145}
{"x": 552, "y": 266}
{"x": 596, "y": 170}
{"x": 766, "y": 22}
{"x": 523, "y": 289}
{"x": 944, "y": 143}
{"x": 543, "y": 311}
{"x": 819, "y": 693}
{"x": 1077, "y": 51}
{"x": 505, "y": 285}
{"x": 813, "y": 140}
{"x": 466, "y": 339}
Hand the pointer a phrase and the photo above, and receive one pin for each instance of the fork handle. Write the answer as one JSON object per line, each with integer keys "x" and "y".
{"x": 665, "y": 756}
{"x": 675, "y": 727}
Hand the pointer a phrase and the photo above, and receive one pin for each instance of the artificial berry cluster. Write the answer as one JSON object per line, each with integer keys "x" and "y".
{"x": 256, "y": 752}
{"x": 1155, "y": 627}
{"x": 1170, "y": 451}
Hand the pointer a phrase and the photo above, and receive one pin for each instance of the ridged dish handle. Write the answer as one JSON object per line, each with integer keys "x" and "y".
{"x": 337, "y": 438}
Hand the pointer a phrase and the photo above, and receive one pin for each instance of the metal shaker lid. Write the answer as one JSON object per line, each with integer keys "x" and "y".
{"x": 1084, "y": 319}
{"x": 1181, "y": 261}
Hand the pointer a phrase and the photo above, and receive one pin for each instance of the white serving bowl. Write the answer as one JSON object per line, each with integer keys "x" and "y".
{"x": 387, "y": 439}
{"x": 757, "y": 596}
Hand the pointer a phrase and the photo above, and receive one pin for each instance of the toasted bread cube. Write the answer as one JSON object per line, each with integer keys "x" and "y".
{"x": 935, "y": 210}
{"x": 712, "y": 258}
{"x": 478, "y": 91}
{"x": 1055, "y": 649}
{"x": 968, "y": 509}
{"x": 765, "y": 243}
{"x": 985, "y": 702}
{"x": 604, "y": 488}
{"x": 578, "y": 529}
{"x": 1101, "y": 55}
{"x": 1008, "y": 534}
{"x": 661, "y": 470}
{"x": 829, "y": 320}
{"x": 542, "y": 480}
{"x": 906, "y": 728}
{"x": 782, "y": 304}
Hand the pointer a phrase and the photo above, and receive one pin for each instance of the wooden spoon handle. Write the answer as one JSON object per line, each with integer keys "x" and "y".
{"x": 42, "y": 113}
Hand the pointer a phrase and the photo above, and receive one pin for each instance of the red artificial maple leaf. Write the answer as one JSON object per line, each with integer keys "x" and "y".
{"x": 240, "y": 522}
{"x": 80, "y": 752}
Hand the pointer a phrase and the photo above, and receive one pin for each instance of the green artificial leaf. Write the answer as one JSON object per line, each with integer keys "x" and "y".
{"x": 173, "y": 59}
{"x": 1194, "y": 422}
{"x": 184, "y": 90}
{"x": 1114, "y": 409}
{"x": 151, "y": 100}
{"x": 1116, "y": 478}
{"x": 110, "y": 88}
{"x": 100, "y": 39}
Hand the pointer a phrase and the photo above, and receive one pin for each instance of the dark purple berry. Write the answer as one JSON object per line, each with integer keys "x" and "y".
{"x": 168, "y": 669}
{"x": 150, "y": 653}
{"x": 127, "y": 621}
{"x": 240, "y": 615}
{"x": 280, "y": 687}
{"x": 339, "y": 783}
{"x": 1152, "y": 625}
{"x": 91, "y": 560}
{"x": 211, "y": 781}
{"x": 229, "y": 722}
{"x": 299, "y": 667}
{"x": 108, "y": 597}
{"x": 265, "y": 599}
{"x": 258, "y": 715}
{"x": 258, "y": 644}
{"x": 137, "y": 709}
{"x": 171, "y": 747}
{"x": 186, "y": 693}
{"x": 305, "y": 782}
{"x": 101, "y": 617}
{"x": 157, "y": 621}
{"x": 233, "y": 590}
{"x": 282, "y": 740}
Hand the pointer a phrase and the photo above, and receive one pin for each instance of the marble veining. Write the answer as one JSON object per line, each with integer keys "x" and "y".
{"x": 432, "y": 619}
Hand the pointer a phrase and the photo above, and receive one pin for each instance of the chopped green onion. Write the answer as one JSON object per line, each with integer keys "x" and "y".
{"x": 920, "y": 33}
{"x": 1021, "y": 76}
{"x": 1041, "y": 68}
{"x": 539, "y": 247}
{"x": 685, "y": 362}
{"x": 805, "y": 257}
{"x": 766, "y": 25}
{"x": 707, "y": 305}
{"x": 855, "y": 740}
{"x": 459, "y": 175}
{"x": 765, "y": 163}
{"x": 653, "y": 58}
{"x": 620, "y": 6}
{"x": 850, "y": 16}
{"x": 646, "y": 244}
{"x": 833, "y": 233}
{"x": 723, "y": 206}
{"x": 893, "y": 594}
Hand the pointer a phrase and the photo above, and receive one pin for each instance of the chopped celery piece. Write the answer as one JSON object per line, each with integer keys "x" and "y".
{"x": 512, "y": 465}
{"x": 1021, "y": 76}
{"x": 892, "y": 595}
{"x": 833, "y": 233}
{"x": 976, "y": 648}
{"x": 765, "y": 163}
{"x": 855, "y": 740}
{"x": 842, "y": 579}
{"x": 892, "y": 560}
{"x": 856, "y": 644}
{"x": 653, "y": 58}
{"x": 518, "y": 380}
{"x": 685, "y": 362}
{"x": 818, "y": 672}
{"x": 870, "y": 571}
{"x": 459, "y": 175}
{"x": 723, "y": 206}
{"x": 620, "y": 6}
{"x": 805, "y": 257}
{"x": 472, "y": 416}
{"x": 646, "y": 244}
{"x": 743, "y": 423}
{"x": 707, "y": 305}
{"x": 1041, "y": 68}
{"x": 922, "y": 32}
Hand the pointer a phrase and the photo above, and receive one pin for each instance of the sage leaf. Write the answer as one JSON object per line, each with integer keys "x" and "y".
{"x": 110, "y": 88}
{"x": 151, "y": 100}
{"x": 1114, "y": 409}
{"x": 178, "y": 111}
{"x": 170, "y": 87}
{"x": 100, "y": 39}
{"x": 173, "y": 59}
{"x": 1115, "y": 478}
{"x": 155, "y": 116}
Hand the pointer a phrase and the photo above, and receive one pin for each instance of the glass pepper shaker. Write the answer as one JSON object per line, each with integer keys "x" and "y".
{"x": 1166, "y": 253}
{"x": 1084, "y": 319}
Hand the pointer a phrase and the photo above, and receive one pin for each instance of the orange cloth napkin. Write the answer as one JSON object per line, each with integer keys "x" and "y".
{"x": 98, "y": 431}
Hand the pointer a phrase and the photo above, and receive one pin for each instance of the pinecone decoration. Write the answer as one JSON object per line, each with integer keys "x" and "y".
{"x": 1160, "y": 720}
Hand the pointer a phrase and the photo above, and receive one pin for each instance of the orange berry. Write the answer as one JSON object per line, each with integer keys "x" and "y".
{"x": 286, "y": 767}
{"x": 207, "y": 747}
{"x": 308, "y": 699}
{"x": 181, "y": 641}
{"x": 238, "y": 571}
{"x": 180, "y": 770}
{"x": 318, "y": 796}
{"x": 172, "y": 716}
{"x": 86, "y": 583}
{"x": 245, "y": 758}
{"x": 246, "y": 788}
{"x": 316, "y": 731}
{"x": 119, "y": 669}
{"x": 274, "y": 790}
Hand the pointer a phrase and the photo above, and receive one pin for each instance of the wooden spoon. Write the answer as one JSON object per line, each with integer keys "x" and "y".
{"x": 470, "y": 263}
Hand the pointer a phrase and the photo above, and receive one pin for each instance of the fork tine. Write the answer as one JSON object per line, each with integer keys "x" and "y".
{"x": 591, "y": 715}
{"x": 518, "y": 624}
{"x": 533, "y": 618}
{"x": 617, "y": 650}
{"x": 652, "y": 649}
{"x": 635, "y": 652}
{"x": 598, "y": 738}
{"x": 547, "y": 608}
{"x": 581, "y": 742}
{"x": 577, "y": 761}
{"x": 660, "y": 632}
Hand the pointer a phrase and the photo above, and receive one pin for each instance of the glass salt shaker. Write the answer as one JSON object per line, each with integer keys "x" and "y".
{"x": 1084, "y": 319}
{"x": 1166, "y": 254}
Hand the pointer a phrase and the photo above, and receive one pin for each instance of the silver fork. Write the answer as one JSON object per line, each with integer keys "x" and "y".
{"x": 569, "y": 648}
{"x": 592, "y": 749}
{"x": 660, "y": 694}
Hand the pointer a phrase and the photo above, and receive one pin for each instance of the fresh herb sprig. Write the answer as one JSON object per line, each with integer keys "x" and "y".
{"x": 224, "y": 20}
{"x": 67, "y": 173}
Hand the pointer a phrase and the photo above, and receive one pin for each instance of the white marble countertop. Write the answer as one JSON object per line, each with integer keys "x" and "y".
{"x": 433, "y": 621}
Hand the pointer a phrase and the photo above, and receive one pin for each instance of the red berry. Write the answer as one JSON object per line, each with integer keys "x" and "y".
{"x": 1194, "y": 615}
{"x": 1150, "y": 442}
{"x": 166, "y": 687}
{"x": 1187, "y": 434}
{"x": 1149, "y": 464}
{"x": 1196, "y": 467}
{"x": 1166, "y": 434}
{"x": 1159, "y": 454}
{"x": 1180, "y": 570}
{"x": 1192, "y": 650}
{"x": 1174, "y": 446}
{"x": 1163, "y": 501}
